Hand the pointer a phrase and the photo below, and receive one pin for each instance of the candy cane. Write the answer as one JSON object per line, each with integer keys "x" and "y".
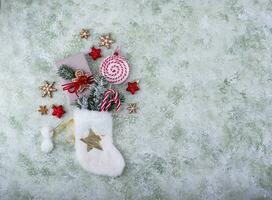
{"x": 110, "y": 96}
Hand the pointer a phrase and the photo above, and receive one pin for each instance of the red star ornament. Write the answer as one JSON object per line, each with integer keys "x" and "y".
{"x": 133, "y": 87}
{"x": 58, "y": 111}
{"x": 95, "y": 53}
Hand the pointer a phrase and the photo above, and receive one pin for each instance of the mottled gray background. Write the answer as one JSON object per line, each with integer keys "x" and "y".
{"x": 204, "y": 126}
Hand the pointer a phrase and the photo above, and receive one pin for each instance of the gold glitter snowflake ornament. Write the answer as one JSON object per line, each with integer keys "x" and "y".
{"x": 106, "y": 41}
{"x": 43, "y": 110}
{"x": 132, "y": 108}
{"x": 47, "y": 89}
{"x": 84, "y": 34}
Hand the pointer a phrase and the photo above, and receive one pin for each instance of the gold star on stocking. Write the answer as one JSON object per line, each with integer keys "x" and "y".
{"x": 92, "y": 141}
{"x": 48, "y": 89}
{"x": 106, "y": 41}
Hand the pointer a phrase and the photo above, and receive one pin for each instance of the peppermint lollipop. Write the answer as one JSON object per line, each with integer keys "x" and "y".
{"x": 115, "y": 68}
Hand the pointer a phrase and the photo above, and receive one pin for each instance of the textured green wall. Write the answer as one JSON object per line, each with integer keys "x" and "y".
{"x": 204, "y": 126}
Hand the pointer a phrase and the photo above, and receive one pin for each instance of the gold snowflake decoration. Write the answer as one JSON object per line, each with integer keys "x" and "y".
{"x": 106, "y": 41}
{"x": 132, "y": 108}
{"x": 47, "y": 89}
{"x": 84, "y": 34}
{"x": 43, "y": 110}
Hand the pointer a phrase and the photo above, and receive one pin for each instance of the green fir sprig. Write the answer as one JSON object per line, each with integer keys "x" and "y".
{"x": 66, "y": 72}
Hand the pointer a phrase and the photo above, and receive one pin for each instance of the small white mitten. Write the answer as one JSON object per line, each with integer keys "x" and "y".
{"x": 47, "y": 146}
{"x": 94, "y": 145}
{"x": 47, "y": 143}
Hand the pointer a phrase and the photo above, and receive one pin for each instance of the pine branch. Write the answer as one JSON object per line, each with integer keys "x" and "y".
{"x": 82, "y": 102}
{"x": 94, "y": 100}
{"x": 66, "y": 72}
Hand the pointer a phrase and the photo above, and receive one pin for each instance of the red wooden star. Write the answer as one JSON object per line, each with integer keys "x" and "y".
{"x": 58, "y": 111}
{"x": 95, "y": 53}
{"x": 133, "y": 87}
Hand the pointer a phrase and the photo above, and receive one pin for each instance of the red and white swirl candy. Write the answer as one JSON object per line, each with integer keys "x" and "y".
{"x": 115, "y": 68}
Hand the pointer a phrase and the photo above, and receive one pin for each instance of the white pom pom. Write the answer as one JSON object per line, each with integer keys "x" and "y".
{"x": 47, "y": 146}
{"x": 47, "y": 132}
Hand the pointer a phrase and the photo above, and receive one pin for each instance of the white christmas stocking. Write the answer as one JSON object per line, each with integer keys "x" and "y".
{"x": 94, "y": 144}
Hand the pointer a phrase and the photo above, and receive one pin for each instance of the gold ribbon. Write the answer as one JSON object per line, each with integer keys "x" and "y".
{"x": 63, "y": 126}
